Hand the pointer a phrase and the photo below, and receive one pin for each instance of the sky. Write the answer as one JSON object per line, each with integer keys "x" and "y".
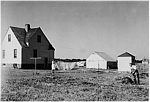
{"x": 77, "y": 28}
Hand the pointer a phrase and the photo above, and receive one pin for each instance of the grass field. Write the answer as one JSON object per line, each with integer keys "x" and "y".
{"x": 71, "y": 85}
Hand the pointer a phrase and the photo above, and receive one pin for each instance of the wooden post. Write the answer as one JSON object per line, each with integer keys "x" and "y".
{"x": 98, "y": 65}
{"x": 35, "y": 58}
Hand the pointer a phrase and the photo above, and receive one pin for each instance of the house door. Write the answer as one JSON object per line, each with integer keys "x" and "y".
{"x": 46, "y": 62}
{"x": 35, "y": 53}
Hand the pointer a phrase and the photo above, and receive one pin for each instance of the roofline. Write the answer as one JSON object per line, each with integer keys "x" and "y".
{"x": 5, "y": 35}
{"x": 98, "y": 52}
{"x": 17, "y": 27}
{"x": 16, "y": 36}
{"x": 89, "y": 55}
{"x": 131, "y": 55}
{"x": 46, "y": 37}
{"x": 34, "y": 32}
{"x": 102, "y": 57}
{"x": 13, "y": 33}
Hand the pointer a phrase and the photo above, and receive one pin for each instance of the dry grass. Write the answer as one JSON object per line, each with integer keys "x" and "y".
{"x": 73, "y": 85}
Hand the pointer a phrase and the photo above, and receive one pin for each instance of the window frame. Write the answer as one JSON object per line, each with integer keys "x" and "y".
{"x": 15, "y": 53}
{"x": 3, "y": 54}
{"x": 39, "y": 38}
{"x": 9, "y": 37}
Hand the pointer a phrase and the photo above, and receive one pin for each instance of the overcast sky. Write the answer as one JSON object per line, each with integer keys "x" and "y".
{"x": 76, "y": 28}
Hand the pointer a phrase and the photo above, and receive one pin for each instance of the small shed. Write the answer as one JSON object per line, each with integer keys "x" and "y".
{"x": 100, "y": 60}
{"x": 145, "y": 61}
{"x": 124, "y": 61}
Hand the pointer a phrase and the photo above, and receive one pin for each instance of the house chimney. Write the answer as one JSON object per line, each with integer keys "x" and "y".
{"x": 27, "y": 27}
{"x": 27, "y": 43}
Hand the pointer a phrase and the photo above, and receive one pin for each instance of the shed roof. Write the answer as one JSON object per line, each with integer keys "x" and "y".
{"x": 126, "y": 54}
{"x": 105, "y": 56}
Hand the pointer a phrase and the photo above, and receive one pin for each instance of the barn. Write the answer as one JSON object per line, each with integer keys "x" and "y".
{"x": 100, "y": 60}
{"x": 124, "y": 61}
{"x": 22, "y": 44}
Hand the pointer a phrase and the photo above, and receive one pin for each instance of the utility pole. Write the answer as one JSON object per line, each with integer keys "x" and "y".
{"x": 35, "y": 58}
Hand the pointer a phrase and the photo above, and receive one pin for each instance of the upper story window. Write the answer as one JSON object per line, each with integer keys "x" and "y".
{"x": 9, "y": 37}
{"x": 3, "y": 53}
{"x": 15, "y": 53}
{"x": 38, "y": 38}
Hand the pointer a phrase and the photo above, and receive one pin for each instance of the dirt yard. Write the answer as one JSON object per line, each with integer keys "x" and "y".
{"x": 72, "y": 85}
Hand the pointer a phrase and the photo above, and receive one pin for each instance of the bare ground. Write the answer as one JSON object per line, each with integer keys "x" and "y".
{"x": 72, "y": 85}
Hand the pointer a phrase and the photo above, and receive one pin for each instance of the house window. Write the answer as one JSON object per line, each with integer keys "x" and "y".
{"x": 3, "y": 53}
{"x": 9, "y": 37}
{"x": 15, "y": 53}
{"x": 34, "y": 53}
{"x": 39, "y": 38}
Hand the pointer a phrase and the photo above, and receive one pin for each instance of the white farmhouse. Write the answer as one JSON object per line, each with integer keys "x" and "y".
{"x": 20, "y": 44}
{"x": 124, "y": 61}
{"x": 100, "y": 60}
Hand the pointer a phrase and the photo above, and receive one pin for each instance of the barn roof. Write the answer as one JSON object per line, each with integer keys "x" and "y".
{"x": 126, "y": 54}
{"x": 104, "y": 56}
{"x": 22, "y": 36}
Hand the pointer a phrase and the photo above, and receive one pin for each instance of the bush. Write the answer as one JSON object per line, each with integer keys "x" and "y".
{"x": 127, "y": 80}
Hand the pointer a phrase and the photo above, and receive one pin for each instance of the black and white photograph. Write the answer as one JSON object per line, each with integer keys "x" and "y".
{"x": 90, "y": 50}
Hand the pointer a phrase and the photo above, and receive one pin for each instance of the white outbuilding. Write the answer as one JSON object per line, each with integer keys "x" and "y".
{"x": 124, "y": 61}
{"x": 100, "y": 60}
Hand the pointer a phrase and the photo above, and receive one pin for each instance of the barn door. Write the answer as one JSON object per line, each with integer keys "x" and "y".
{"x": 102, "y": 64}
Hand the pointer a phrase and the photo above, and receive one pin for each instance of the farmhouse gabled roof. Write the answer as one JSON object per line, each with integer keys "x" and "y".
{"x": 24, "y": 36}
{"x": 126, "y": 54}
{"x": 104, "y": 56}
